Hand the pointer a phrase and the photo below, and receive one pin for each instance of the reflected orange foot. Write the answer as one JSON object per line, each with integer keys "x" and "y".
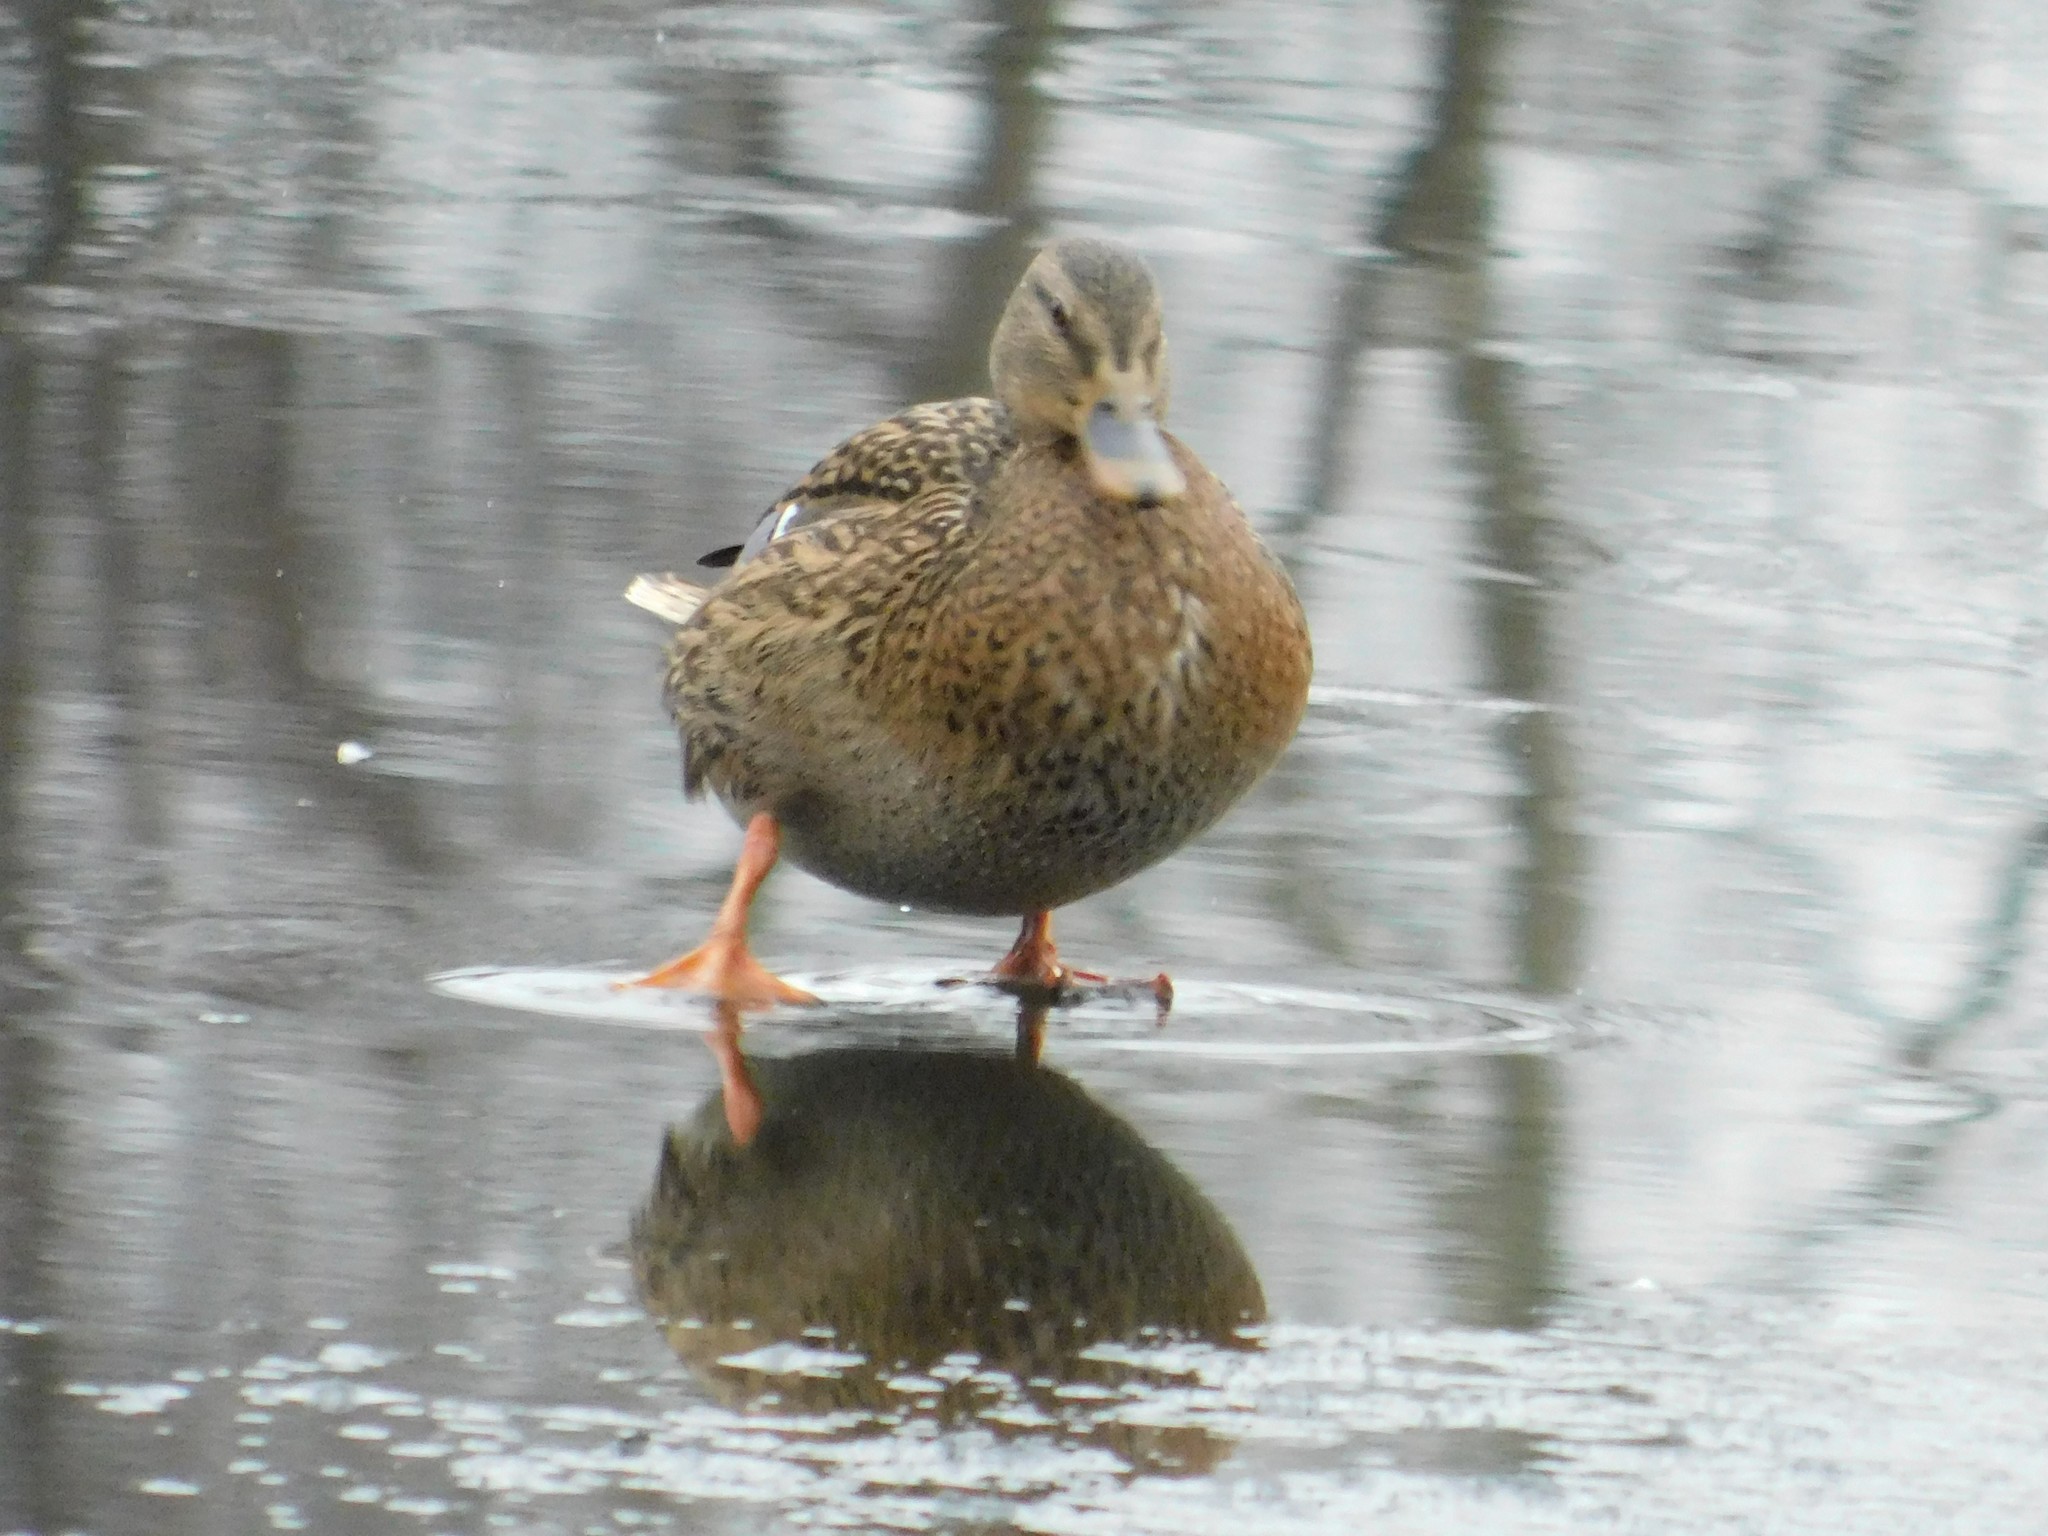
{"x": 726, "y": 971}
{"x": 744, "y": 1110}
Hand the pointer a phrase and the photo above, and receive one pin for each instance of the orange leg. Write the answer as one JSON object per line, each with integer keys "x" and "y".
{"x": 742, "y": 1098}
{"x": 722, "y": 965}
{"x": 1033, "y": 970}
{"x": 1033, "y": 973}
{"x": 1034, "y": 959}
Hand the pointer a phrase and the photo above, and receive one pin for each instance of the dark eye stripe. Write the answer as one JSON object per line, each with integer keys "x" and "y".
{"x": 1054, "y": 308}
{"x": 1086, "y": 354}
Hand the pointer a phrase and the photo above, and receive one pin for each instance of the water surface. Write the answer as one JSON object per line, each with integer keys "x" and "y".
{"x": 1652, "y": 406}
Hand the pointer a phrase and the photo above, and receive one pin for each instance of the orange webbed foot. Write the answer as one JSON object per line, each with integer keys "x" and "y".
{"x": 722, "y": 966}
{"x": 1033, "y": 973}
{"x": 725, "y": 971}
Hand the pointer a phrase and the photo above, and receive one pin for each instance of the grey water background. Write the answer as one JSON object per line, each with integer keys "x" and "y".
{"x": 1650, "y": 402}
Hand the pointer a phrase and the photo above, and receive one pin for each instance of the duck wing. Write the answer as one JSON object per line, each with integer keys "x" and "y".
{"x": 760, "y": 644}
{"x": 947, "y": 445}
{"x": 775, "y": 662}
{"x": 951, "y": 445}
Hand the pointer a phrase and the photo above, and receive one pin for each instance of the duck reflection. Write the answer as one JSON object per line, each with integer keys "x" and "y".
{"x": 939, "y": 1233}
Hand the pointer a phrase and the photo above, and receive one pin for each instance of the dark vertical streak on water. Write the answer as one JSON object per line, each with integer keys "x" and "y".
{"x": 544, "y": 806}
{"x": 54, "y": 30}
{"x": 30, "y": 1479}
{"x": 1513, "y": 1202}
{"x": 1550, "y": 910}
{"x": 17, "y": 670}
{"x": 1443, "y": 216}
{"x": 1297, "y": 888}
{"x": 1441, "y": 209}
{"x": 239, "y": 462}
{"x": 127, "y": 627}
{"x": 33, "y": 1479}
{"x": 261, "y": 562}
{"x": 1356, "y": 289}
{"x": 750, "y": 127}
{"x": 422, "y": 1236}
{"x": 1868, "y": 74}
{"x": 1435, "y": 214}
{"x": 954, "y": 360}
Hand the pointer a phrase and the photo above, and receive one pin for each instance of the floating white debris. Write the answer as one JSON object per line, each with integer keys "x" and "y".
{"x": 349, "y": 753}
{"x": 600, "y": 1317}
{"x": 793, "y": 1360}
{"x": 143, "y": 1398}
{"x": 355, "y": 1357}
{"x": 1083, "y": 1391}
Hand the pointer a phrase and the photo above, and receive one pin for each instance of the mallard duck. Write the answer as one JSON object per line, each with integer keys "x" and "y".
{"x": 988, "y": 656}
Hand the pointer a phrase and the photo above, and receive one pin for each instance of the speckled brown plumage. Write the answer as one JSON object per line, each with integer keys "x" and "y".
{"x": 1008, "y": 712}
{"x": 999, "y": 656}
{"x": 952, "y": 443}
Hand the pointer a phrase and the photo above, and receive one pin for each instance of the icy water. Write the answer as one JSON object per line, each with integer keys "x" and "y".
{"x": 1610, "y": 1087}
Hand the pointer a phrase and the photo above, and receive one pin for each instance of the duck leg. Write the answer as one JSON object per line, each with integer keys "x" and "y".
{"x": 1034, "y": 960}
{"x": 1033, "y": 971}
{"x": 723, "y": 965}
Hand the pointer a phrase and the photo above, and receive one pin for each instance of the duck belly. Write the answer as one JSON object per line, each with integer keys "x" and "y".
{"x": 1016, "y": 845}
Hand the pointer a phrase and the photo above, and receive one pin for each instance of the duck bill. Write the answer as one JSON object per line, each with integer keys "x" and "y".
{"x": 1128, "y": 457}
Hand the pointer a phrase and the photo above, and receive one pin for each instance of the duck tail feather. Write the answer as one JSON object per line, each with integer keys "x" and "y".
{"x": 666, "y": 596}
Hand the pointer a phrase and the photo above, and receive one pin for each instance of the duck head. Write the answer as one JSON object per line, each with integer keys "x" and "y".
{"x": 1080, "y": 353}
